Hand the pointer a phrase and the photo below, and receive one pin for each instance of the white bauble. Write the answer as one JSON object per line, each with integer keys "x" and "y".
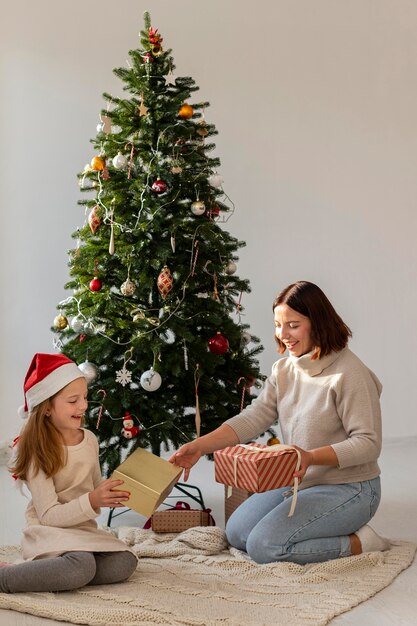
{"x": 120, "y": 161}
{"x": 231, "y": 267}
{"x": 215, "y": 180}
{"x": 89, "y": 370}
{"x": 150, "y": 380}
{"x": 77, "y": 324}
{"x": 245, "y": 338}
{"x": 198, "y": 207}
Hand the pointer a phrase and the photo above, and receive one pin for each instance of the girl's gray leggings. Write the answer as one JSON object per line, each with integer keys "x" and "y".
{"x": 68, "y": 571}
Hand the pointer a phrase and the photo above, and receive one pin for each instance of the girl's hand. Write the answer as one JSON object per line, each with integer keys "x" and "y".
{"x": 186, "y": 457}
{"x": 306, "y": 461}
{"x": 106, "y": 495}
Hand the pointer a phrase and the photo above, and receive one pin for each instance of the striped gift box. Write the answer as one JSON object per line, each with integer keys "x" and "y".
{"x": 255, "y": 467}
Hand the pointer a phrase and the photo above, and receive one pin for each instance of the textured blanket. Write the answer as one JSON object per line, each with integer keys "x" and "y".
{"x": 193, "y": 579}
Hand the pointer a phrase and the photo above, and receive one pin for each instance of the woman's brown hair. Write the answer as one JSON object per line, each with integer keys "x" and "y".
{"x": 328, "y": 331}
{"x": 40, "y": 445}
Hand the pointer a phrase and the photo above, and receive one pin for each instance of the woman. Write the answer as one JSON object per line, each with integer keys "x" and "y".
{"x": 327, "y": 404}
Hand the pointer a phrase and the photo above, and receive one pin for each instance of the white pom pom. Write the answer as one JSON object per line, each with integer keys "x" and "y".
{"x": 22, "y": 413}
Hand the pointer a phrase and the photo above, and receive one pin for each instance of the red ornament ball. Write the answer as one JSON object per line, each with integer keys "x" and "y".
{"x": 218, "y": 344}
{"x": 95, "y": 284}
{"x": 159, "y": 186}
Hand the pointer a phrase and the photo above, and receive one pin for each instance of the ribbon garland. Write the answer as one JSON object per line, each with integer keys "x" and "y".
{"x": 279, "y": 447}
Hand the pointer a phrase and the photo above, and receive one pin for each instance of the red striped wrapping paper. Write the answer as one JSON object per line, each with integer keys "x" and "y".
{"x": 241, "y": 466}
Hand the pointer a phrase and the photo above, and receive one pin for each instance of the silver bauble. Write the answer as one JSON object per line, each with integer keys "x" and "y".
{"x": 89, "y": 328}
{"x": 89, "y": 370}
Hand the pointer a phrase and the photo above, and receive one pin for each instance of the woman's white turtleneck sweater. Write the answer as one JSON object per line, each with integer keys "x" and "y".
{"x": 331, "y": 401}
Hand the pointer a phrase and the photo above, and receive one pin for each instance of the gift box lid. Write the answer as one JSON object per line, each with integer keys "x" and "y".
{"x": 148, "y": 478}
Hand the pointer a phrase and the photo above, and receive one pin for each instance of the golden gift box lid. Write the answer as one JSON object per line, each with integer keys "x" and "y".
{"x": 148, "y": 478}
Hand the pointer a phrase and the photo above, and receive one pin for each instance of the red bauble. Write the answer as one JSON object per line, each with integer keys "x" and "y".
{"x": 218, "y": 344}
{"x": 95, "y": 284}
{"x": 159, "y": 186}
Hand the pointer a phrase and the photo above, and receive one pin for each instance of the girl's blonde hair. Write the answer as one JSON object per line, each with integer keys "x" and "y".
{"x": 40, "y": 445}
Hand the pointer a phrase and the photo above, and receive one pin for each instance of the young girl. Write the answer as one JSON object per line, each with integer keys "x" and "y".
{"x": 58, "y": 459}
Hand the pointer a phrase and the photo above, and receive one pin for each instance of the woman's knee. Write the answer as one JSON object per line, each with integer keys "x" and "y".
{"x": 261, "y": 549}
{"x": 234, "y": 534}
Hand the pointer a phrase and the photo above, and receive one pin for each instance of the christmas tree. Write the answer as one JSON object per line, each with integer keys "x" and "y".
{"x": 155, "y": 319}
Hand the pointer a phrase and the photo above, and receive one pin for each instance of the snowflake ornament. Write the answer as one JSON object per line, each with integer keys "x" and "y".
{"x": 123, "y": 376}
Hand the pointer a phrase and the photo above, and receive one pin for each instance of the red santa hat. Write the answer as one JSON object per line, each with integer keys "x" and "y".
{"x": 47, "y": 374}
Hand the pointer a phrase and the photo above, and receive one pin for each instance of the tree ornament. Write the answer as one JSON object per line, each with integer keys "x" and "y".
{"x": 124, "y": 376}
{"x": 95, "y": 284}
{"x": 159, "y": 186}
{"x": 143, "y": 110}
{"x": 198, "y": 207}
{"x": 105, "y": 125}
{"x": 245, "y": 338}
{"x": 94, "y": 219}
{"x": 231, "y": 268}
{"x": 218, "y": 344}
{"x": 119, "y": 161}
{"x": 176, "y": 169}
{"x": 186, "y": 112}
{"x": 128, "y": 288}
{"x": 215, "y": 180}
{"x": 129, "y": 429}
{"x": 89, "y": 370}
{"x": 148, "y": 58}
{"x": 77, "y": 324}
{"x": 201, "y": 129}
{"x": 98, "y": 163}
{"x": 273, "y": 441}
{"x": 60, "y": 322}
{"x": 89, "y": 328}
{"x": 150, "y": 380}
{"x": 165, "y": 282}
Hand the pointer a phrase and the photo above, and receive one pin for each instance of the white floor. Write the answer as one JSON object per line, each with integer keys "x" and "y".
{"x": 396, "y": 518}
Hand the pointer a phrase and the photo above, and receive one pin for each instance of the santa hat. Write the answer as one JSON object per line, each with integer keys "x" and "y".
{"x": 47, "y": 374}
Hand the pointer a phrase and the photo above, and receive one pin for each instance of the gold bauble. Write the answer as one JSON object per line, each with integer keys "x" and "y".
{"x": 273, "y": 441}
{"x": 98, "y": 163}
{"x": 60, "y": 322}
{"x": 186, "y": 112}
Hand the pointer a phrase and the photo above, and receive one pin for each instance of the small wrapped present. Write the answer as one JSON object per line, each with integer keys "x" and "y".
{"x": 179, "y": 518}
{"x": 258, "y": 468}
{"x": 148, "y": 478}
{"x": 234, "y": 500}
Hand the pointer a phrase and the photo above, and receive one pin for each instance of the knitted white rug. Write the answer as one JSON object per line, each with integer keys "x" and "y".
{"x": 193, "y": 579}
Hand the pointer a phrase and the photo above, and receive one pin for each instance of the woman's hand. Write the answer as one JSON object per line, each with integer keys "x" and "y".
{"x": 105, "y": 495}
{"x": 306, "y": 461}
{"x": 187, "y": 456}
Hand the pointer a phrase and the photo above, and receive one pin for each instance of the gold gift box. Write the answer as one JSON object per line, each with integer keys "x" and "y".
{"x": 148, "y": 478}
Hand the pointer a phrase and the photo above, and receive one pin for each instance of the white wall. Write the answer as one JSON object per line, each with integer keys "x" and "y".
{"x": 315, "y": 102}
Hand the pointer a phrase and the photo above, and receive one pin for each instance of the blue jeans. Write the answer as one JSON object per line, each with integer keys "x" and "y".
{"x": 319, "y": 530}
